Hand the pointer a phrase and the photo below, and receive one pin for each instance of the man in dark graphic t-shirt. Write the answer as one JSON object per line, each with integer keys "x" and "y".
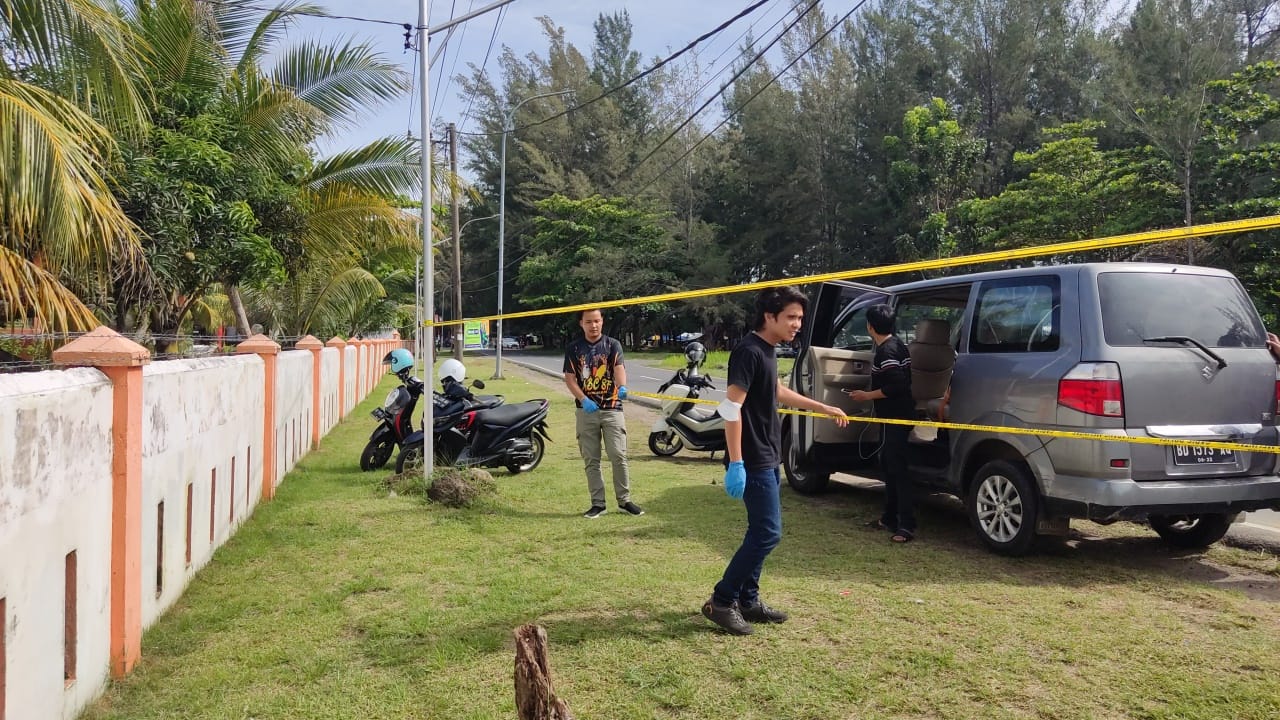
{"x": 753, "y": 434}
{"x": 594, "y": 374}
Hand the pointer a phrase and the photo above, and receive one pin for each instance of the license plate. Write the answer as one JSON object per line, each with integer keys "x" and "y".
{"x": 1184, "y": 455}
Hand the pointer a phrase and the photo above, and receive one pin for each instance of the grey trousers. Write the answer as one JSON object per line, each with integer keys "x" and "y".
{"x": 610, "y": 426}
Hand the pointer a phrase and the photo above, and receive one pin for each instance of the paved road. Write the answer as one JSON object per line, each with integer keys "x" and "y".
{"x": 642, "y": 377}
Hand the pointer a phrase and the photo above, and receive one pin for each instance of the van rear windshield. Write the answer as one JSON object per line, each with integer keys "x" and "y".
{"x": 1213, "y": 309}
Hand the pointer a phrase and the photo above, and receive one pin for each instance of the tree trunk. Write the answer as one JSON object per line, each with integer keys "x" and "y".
{"x": 535, "y": 698}
{"x": 237, "y": 306}
{"x": 1186, "y": 206}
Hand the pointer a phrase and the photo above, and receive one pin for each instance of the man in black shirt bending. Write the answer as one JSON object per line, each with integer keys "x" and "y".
{"x": 753, "y": 434}
{"x": 891, "y": 394}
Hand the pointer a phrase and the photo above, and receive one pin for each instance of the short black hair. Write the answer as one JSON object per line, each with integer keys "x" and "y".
{"x": 772, "y": 301}
{"x": 583, "y": 313}
{"x": 881, "y": 318}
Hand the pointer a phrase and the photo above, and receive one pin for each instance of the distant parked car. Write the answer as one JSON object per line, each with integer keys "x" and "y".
{"x": 784, "y": 350}
{"x": 509, "y": 343}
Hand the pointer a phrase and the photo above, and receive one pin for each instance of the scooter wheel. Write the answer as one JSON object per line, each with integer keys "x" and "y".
{"x": 376, "y": 454}
{"x": 665, "y": 444}
{"x": 539, "y": 448}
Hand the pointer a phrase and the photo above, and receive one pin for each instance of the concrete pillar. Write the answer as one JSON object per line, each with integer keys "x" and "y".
{"x": 341, "y": 345}
{"x": 267, "y": 349}
{"x": 121, "y": 360}
{"x": 313, "y": 344}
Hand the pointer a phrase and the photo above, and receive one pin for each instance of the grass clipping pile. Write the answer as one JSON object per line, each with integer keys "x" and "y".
{"x": 456, "y": 487}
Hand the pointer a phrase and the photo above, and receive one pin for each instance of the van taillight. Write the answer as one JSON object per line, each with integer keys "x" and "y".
{"x": 1094, "y": 389}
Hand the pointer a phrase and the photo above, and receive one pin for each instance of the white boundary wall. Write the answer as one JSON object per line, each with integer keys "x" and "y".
{"x": 293, "y": 409}
{"x": 328, "y": 389}
{"x": 202, "y": 434}
{"x": 55, "y": 498}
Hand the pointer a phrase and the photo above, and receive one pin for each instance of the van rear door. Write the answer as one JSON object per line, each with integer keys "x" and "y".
{"x": 1193, "y": 364}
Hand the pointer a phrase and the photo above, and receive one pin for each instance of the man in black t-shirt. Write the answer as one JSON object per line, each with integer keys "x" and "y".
{"x": 753, "y": 434}
{"x": 891, "y": 394}
{"x": 595, "y": 375}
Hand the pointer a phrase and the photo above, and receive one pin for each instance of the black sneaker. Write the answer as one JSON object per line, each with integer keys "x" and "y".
{"x": 761, "y": 613}
{"x": 630, "y": 507}
{"x": 727, "y": 618}
{"x": 594, "y": 512}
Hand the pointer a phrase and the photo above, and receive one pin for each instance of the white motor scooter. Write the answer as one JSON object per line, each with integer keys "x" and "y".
{"x": 684, "y": 423}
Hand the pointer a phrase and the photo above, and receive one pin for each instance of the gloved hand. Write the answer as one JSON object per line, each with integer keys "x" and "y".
{"x": 589, "y": 405}
{"x": 622, "y": 392}
{"x": 735, "y": 480}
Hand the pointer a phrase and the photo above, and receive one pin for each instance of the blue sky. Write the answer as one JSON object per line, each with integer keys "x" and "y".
{"x": 660, "y": 27}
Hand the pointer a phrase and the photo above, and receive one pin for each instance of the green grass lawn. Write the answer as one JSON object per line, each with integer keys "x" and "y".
{"x": 337, "y": 601}
{"x": 717, "y": 361}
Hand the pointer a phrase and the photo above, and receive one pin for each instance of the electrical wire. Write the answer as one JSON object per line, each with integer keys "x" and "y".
{"x": 311, "y": 13}
{"x": 741, "y": 71}
{"x": 438, "y": 85}
{"x": 659, "y": 65}
{"x": 502, "y": 13}
{"x": 730, "y": 115}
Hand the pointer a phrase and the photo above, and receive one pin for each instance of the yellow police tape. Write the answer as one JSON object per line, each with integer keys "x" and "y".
{"x": 1075, "y": 246}
{"x": 1066, "y": 434}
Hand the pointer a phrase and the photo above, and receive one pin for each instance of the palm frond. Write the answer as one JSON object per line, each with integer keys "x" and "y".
{"x": 86, "y": 54}
{"x": 387, "y": 166}
{"x": 271, "y": 121}
{"x": 55, "y": 198}
{"x": 179, "y": 49}
{"x": 270, "y": 29}
{"x": 341, "y": 81}
{"x": 343, "y": 221}
{"x": 29, "y": 292}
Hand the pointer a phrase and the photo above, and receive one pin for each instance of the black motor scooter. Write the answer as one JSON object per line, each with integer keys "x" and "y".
{"x": 396, "y": 414}
{"x": 511, "y": 436}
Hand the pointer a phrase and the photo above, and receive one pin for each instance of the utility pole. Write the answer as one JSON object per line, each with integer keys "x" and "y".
{"x": 457, "y": 243}
{"x": 428, "y": 267}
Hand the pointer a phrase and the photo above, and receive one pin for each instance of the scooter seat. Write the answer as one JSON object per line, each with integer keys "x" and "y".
{"x": 701, "y": 413}
{"x": 506, "y": 415}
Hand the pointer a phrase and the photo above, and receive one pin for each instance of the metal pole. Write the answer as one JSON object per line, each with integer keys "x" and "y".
{"x": 502, "y": 235}
{"x": 428, "y": 271}
{"x": 463, "y": 18}
{"x": 508, "y": 124}
{"x": 417, "y": 310}
{"x": 457, "y": 243}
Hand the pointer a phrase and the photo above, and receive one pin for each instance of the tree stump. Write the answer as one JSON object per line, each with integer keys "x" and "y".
{"x": 535, "y": 698}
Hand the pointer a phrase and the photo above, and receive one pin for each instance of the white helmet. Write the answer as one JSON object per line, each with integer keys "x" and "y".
{"x": 452, "y": 368}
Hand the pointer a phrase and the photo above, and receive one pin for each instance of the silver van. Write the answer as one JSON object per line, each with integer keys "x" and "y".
{"x": 1124, "y": 349}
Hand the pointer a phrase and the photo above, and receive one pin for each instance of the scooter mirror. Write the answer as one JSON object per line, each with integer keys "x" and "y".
{"x": 477, "y": 383}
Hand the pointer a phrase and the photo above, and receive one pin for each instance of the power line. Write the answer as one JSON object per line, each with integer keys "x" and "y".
{"x": 435, "y": 101}
{"x": 741, "y": 71}
{"x": 448, "y": 79}
{"x": 728, "y": 116}
{"x": 310, "y": 13}
{"x": 497, "y": 23}
{"x": 659, "y": 65}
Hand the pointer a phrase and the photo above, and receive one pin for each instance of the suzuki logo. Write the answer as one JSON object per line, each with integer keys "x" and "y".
{"x": 1206, "y": 372}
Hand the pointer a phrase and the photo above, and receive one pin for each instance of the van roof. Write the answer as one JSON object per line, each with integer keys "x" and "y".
{"x": 1091, "y": 269}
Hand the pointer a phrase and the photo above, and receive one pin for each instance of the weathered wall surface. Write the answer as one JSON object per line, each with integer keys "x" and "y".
{"x": 329, "y": 416}
{"x": 293, "y": 409}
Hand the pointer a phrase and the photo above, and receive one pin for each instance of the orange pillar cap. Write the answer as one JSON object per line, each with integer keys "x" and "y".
{"x": 103, "y": 347}
{"x": 310, "y": 342}
{"x": 259, "y": 344}
{"x": 336, "y": 342}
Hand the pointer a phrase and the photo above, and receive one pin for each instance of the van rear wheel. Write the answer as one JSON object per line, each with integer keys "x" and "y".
{"x": 1191, "y": 531}
{"x": 1003, "y": 505}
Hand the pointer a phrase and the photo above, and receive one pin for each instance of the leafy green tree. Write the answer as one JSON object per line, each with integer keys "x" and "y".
{"x": 69, "y": 78}
{"x": 1072, "y": 190}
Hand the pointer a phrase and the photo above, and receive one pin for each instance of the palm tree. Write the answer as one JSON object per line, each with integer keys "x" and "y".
{"x": 69, "y": 73}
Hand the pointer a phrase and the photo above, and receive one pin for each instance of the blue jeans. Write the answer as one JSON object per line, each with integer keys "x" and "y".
{"x": 741, "y": 580}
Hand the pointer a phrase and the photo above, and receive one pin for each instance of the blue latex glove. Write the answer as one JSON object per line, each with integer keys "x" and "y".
{"x": 735, "y": 480}
{"x": 589, "y": 405}
{"x": 622, "y": 392}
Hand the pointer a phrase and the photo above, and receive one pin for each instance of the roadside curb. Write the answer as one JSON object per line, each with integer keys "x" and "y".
{"x": 528, "y": 366}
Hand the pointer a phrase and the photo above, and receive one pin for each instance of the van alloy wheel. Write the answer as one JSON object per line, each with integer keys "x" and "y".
{"x": 1003, "y": 503}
